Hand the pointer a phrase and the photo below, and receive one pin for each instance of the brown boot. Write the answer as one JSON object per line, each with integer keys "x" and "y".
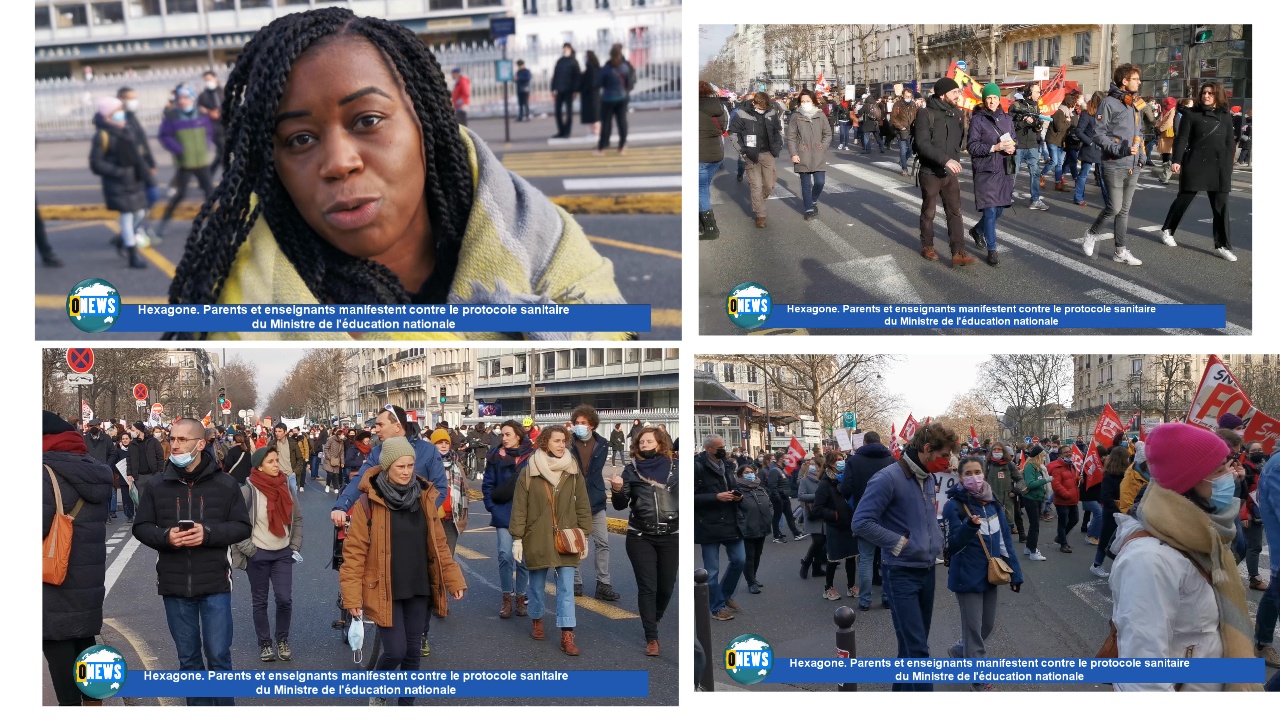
{"x": 522, "y": 605}
{"x": 960, "y": 258}
{"x": 1041, "y": 182}
{"x": 760, "y": 221}
{"x": 566, "y": 643}
{"x": 1060, "y": 187}
{"x": 505, "y": 612}
{"x": 651, "y": 648}
{"x": 538, "y": 634}
{"x": 929, "y": 254}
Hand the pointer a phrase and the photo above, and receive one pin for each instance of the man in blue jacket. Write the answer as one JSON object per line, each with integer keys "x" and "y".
{"x": 392, "y": 422}
{"x": 1269, "y": 505}
{"x": 897, "y": 514}
{"x": 592, "y": 451}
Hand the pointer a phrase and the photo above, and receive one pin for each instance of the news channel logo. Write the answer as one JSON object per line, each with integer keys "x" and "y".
{"x": 749, "y": 305}
{"x": 100, "y": 672}
{"x": 93, "y": 305}
{"x": 748, "y": 659}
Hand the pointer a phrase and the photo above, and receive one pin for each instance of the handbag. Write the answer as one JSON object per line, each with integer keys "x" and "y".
{"x": 998, "y": 571}
{"x": 57, "y": 544}
{"x": 569, "y": 541}
{"x": 665, "y": 504}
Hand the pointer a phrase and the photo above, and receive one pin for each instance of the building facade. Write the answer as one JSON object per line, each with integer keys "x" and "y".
{"x": 1009, "y": 54}
{"x": 415, "y": 379}
{"x": 191, "y": 389}
{"x": 595, "y": 23}
{"x": 1174, "y": 64}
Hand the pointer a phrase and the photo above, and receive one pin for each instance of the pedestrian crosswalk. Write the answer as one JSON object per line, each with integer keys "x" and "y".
{"x": 1097, "y": 593}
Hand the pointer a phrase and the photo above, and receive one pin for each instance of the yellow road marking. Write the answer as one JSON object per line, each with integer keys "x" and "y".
{"x": 59, "y": 302}
{"x": 633, "y": 246}
{"x": 56, "y": 188}
{"x": 73, "y": 226}
{"x": 159, "y": 261}
{"x": 613, "y": 612}
{"x": 470, "y": 554}
{"x": 488, "y": 528}
{"x": 142, "y": 648}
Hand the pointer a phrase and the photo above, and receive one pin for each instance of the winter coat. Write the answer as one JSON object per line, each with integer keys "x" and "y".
{"x": 775, "y": 483}
{"x": 567, "y": 76}
{"x": 1134, "y": 479}
{"x": 865, "y": 462}
{"x": 103, "y": 448}
{"x": 713, "y": 122}
{"x": 1066, "y": 483}
{"x": 1269, "y": 502}
{"x": 1118, "y": 124}
{"x": 1000, "y": 475}
{"x": 714, "y": 521}
{"x": 1058, "y": 126}
{"x": 993, "y": 172}
{"x": 74, "y": 608}
{"x": 808, "y": 494}
{"x": 296, "y": 459}
{"x": 365, "y": 575}
{"x": 253, "y": 500}
{"x": 939, "y": 136}
{"x": 524, "y": 78}
{"x": 142, "y": 142}
{"x": 190, "y": 139}
{"x": 113, "y": 156}
{"x": 1205, "y": 148}
{"x": 617, "y": 440}
{"x": 898, "y": 507}
{"x": 1164, "y": 136}
{"x": 1027, "y": 134}
{"x": 841, "y": 113}
{"x": 531, "y": 516}
{"x": 1162, "y": 605}
{"x": 1089, "y": 494}
{"x": 1109, "y": 493}
{"x": 967, "y": 572}
{"x": 757, "y": 509}
{"x": 869, "y": 117}
{"x": 808, "y": 138}
{"x": 1086, "y": 129}
{"x": 333, "y": 454}
{"x": 212, "y": 100}
{"x": 501, "y": 469}
{"x": 426, "y": 463}
{"x": 589, "y": 94}
{"x": 616, "y": 81}
{"x": 352, "y": 463}
{"x": 208, "y": 496}
{"x": 837, "y": 518}
{"x": 593, "y": 470}
{"x": 237, "y": 464}
{"x": 1037, "y": 483}
{"x": 640, "y": 496}
{"x": 750, "y": 131}
{"x": 903, "y": 117}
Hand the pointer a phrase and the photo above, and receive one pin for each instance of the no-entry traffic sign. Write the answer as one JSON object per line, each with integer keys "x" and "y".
{"x": 226, "y": 404}
{"x": 139, "y": 392}
{"x": 80, "y": 359}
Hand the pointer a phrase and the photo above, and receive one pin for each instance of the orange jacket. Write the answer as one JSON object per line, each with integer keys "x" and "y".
{"x": 1066, "y": 484}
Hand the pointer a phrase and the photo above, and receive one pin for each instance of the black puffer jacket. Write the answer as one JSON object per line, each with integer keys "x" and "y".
{"x": 641, "y": 497}
{"x": 74, "y": 608}
{"x": 713, "y": 123}
{"x": 114, "y": 157}
{"x": 208, "y": 496}
{"x": 865, "y": 462}
{"x": 939, "y": 136}
{"x": 714, "y": 521}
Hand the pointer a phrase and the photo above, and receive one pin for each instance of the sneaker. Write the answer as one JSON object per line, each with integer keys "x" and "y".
{"x": 1065, "y": 548}
{"x": 732, "y": 604}
{"x": 802, "y": 536}
{"x": 864, "y": 606}
{"x": 1166, "y": 237}
{"x": 1122, "y": 255}
{"x": 577, "y": 589}
{"x": 285, "y": 653}
{"x": 1099, "y": 571}
{"x": 1226, "y": 254}
{"x": 722, "y": 614}
{"x": 977, "y": 238}
{"x": 753, "y": 588}
{"x": 853, "y": 591}
{"x": 1038, "y": 204}
{"x": 1092, "y": 540}
{"x": 809, "y": 215}
{"x": 301, "y": 488}
{"x": 268, "y": 654}
{"x": 426, "y": 647}
{"x": 884, "y": 603}
{"x": 831, "y": 594}
{"x": 1037, "y": 556}
{"x": 604, "y": 591}
{"x": 1257, "y": 583}
{"x": 1268, "y": 654}
{"x": 1089, "y": 241}
{"x": 780, "y": 540}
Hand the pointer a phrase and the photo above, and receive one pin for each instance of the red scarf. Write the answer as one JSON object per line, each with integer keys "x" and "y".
{"x": 69, "y": 441}
{"x": 362, "y": 446}
{"x": 279, "y": 502}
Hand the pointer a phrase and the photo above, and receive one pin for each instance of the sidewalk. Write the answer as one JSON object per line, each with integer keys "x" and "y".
{"x": 653, "y": 126}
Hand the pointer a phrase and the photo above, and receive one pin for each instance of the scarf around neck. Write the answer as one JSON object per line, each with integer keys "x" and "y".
{"x": 1206, "y": 538}
{"x": 551, "y": 467}
{"x": 69, "y": 441}
{"x": 912, "y": 459}
{"x": 399, "y": 497}
{"x": 656, "y": 468}
{"x": 279, "y": 502}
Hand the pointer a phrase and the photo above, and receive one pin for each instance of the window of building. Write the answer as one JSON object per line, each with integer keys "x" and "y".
{"x": 777, "y": 399}
{"x": 564, "y": 5}
{"x": 1137, "y": 366}
{"x": 496, "y": 368}
{"x": 1109, "y": 375}
{"x": 71, "y": 16}
{"x": 178, "y": 7}
{"x": 652, "y": 354}
{"x": 673, "y": 353}
{"x": 886, "y": 49}
{"x": 637, "y": 3}
{"x": 752, "y": 376}
{"x": 1051, "y": 47}
{"x": 1186, "y": 371}
{"x": 42, "y": 17}
{"x": 615, "y": 356}
{"x": 728, "y": 372}
{"x": 1084, "y": 44}
{"x": 753, "y": 397}
{"x": 446, "y": 4}
{"x": 293, "y": 2}
{"x": 246, "y": 4}
{"x": 597, "y": 357}
{"x": 602, "y": 4}
{"x": 706, "y": 366}
{"x": 530, "y": 7}
{"x": 579, "y": 357}
{"x": 899, "y": 45}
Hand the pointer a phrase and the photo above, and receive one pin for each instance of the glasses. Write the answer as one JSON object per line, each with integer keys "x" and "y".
{"x": 184, "y": 440}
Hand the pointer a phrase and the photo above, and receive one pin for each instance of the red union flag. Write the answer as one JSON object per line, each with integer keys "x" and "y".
{"x": 973, "y": 437}
{"x": 795, "y": 454}
{"x": 1262, "y": 429}
{"x": 1092, "y": 469}
{"x": 207, "y": 421}
{"x": 1135, "y": 422}
{"x": 1077, "y": 458}
{"x": 1108, "y": 425}
{"x": 909, "y": 428}
{"x": 1218, "y": 394}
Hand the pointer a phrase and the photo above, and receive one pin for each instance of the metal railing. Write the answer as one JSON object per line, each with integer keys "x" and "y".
{"x": 64, "y": 107}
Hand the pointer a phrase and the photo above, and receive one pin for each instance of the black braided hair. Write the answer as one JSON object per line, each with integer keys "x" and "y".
{"x": 249, "y": 106}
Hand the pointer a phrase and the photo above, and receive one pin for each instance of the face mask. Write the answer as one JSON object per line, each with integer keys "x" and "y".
{"x": 720, "y": 454}
{"x": 117, "y": 116}
{"x": 749, "y": 477}
{"x": 840, "y": 466}
{"x": 1224, "y": 491}
{"x": 648, "y": 454}
{"x": 211, "y": 84}
{"x": 940, "y": 464}
{"x": 582, "y": 432}
{"x": 131, "y": 105}
{"x": 973, "y": 483}
{"x": 1258, "y": 458}
{"x": 807, "y": 107}
{"x": 997, "y": 455}
{"x": 182, "y": 460}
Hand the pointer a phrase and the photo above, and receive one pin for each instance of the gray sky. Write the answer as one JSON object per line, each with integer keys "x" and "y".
{"x": 927, "y": 383}
{"x": 273, "y": 366}
{"x": 710, "y": 39}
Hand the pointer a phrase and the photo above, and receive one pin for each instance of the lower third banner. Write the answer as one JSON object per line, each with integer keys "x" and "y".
{"x": 392, "y": 683}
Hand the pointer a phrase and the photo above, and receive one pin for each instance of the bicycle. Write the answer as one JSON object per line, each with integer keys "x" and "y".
{"x": 372, "y": 639}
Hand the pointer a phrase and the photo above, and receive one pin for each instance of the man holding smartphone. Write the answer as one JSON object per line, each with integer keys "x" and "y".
{"x": 190, "y": 514}
{"x": 718, "y": 520}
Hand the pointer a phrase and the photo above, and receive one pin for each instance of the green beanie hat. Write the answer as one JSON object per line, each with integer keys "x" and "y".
{"x": 990, "y": 89}
{"x": 259, "y": 455}
{"x": 394, "y": 449}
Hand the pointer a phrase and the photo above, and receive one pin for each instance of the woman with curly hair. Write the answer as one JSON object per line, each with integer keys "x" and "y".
{"x": 349, "y": 181}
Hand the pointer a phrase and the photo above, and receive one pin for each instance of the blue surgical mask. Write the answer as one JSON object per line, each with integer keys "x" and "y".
{"x": 749, "y": 477}
{"x": 117, "y": 116}
{"x": 582, "y": 432}
{"x": 1224, "y": 491}
{"x": 839, "y": 466}
{"x": 182, "y": 460}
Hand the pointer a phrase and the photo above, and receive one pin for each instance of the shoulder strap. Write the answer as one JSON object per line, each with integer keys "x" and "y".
{"x": 368, "y": 509}
{"x": 555, "y": 526}
{"x": 105, "y": 138}
{"x": 57, "y": 492}
{"x": 980, "y": 539}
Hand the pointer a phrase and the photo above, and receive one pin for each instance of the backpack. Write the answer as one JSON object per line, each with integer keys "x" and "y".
{"x": 57, "y": 544}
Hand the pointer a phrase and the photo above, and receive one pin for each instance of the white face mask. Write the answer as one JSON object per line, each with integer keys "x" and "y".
{"x": 131, "y": 105}
{"x": 211, "y": 84}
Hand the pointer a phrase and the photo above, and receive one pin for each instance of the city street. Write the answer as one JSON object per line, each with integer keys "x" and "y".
{"x": 864, "y": 248}
{"x": 629, "y": 206}
{"x": 471, "y": 638}
{"x": 1061, "y": 611}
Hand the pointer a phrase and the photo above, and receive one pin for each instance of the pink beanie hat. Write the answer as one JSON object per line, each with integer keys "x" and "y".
{"x": 107, "y": 105}
{"x": 1180, "y": 455}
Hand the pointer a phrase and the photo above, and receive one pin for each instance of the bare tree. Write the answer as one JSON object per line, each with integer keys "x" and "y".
{"x": 720, "y": 71}
{"x": 863, "y": 37}
{"x": 791, "y": 44}
{"x": 55, "y": 396}
{"x": 240, "y": 379}
{"x": 1028, "y": 383}
{"x": 311, "y": 388}
{"x": 971, "y": 409}
{"x": 807, "y": 382}
{"x": 1168, "y": 384}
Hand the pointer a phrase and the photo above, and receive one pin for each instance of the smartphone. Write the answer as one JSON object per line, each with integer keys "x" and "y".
{"x": 185, "y": 525}
{"x": 736, "y": 493}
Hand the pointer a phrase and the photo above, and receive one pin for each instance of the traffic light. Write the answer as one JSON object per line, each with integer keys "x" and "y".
{"x": 1203, "y": 35}
{"x": 222, "y": 395}
{"x": 443, "y": 394}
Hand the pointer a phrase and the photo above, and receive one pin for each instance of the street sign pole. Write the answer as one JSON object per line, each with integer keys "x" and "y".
{"x": 506, "y": 110}
{"x": 502, "y": 28}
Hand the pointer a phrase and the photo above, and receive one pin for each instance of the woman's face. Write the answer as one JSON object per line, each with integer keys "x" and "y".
{"x": 349, "y": 151}
{"x": 992, "y": 102}
{"x": 125, "y": 439}
{"x": 509, "y": 438}
{"x": 971, "y": 469}
{"x": 648, "y": 442}
{"x": 1207, "y": 96}
{"x": 1205, "y": 487}
{"x": 556, "y": 444}
{"x": 402, "y": 470}
{"x": 271, "y": 464}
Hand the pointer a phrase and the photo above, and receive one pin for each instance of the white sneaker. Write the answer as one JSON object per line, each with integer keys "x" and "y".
{"x": 1037, "y": 556}
{"x": 1026, "y": 551}
{"x": 1166, "y": 237}
{"x": 1039, "y": 205}
{"x": 1122, "y": 255}
{"x": 1089, "y": 241}
{"x": 1225, "y": 254}
{"x": 1099, "y": 571}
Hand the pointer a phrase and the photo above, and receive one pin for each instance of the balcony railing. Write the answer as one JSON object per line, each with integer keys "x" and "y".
{"x": 451, "y": 369}
{"x": 953, "y": 35}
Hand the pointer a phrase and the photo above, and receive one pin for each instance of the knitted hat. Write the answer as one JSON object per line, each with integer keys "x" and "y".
{"x": 184, "y": 91}
{"x": 439, "y": 436}
{"x": 1228, "y": 421}
{"x": 1180, "y": 455}
{"x": 990, "y": 89}
{"x": 1034, "y": 451}
{"x": 394, "y": 449}
{"x": 944, "y": 86}
{"x": 1235, "y": 108}
{"x": 105, "y": 106}
{"x": 260, "y": 455}
{"x": 54, "y": 424}
{"x": 137, "y": 425}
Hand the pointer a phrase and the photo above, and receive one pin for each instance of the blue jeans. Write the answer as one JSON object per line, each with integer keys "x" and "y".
{"x": 564, "y": 595}
{"x": 1056, "y": 156}
{"x": 866, "y": 564}
{"x": 706, "y": 171}
{"x": 1071, "y": 164}
{"x": 315, "y": 466}
{"x": 722, "y": 589}
{"x": 508, "y": 565}
{"x": 989, "y": 217}
{"x": 293, "y": 484}
{"x": 811, "y": 187}
{"x": 904, "y": 151}
{"x": 866, "y": 146}
{"x": 1082, "y": 178}
{"x": 910, "y": 593}
{"x": 202, "y": 629}
{"x": 129, "y": 223}
{"x": 844, "y": 132}
{"x": 1265, "y": 630}
{"x": 1094, "y": 508}
{"x": 1031, "y": 156}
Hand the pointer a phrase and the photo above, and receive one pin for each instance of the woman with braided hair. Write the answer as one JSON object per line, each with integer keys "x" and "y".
{"x": 349, "y": 181}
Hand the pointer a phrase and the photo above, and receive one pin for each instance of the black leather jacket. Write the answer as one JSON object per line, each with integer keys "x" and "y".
{"x": 640, "y": 495}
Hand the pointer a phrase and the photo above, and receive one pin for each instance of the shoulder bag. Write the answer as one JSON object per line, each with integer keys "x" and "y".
{"x": 998, "y": 571}
{"x": 569, "y": 541}
{"x": 665, "y": 505}
{"x": 57, "y": 544}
